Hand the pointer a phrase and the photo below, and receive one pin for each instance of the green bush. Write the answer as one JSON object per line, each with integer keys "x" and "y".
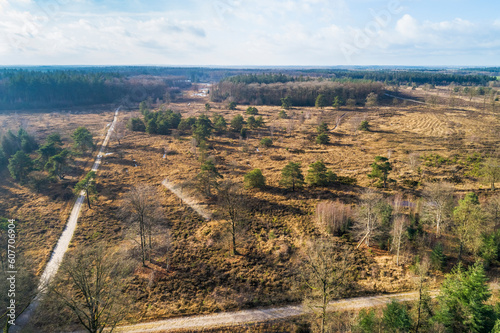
{"x": 252, "y": 110}
{"x": 255, "y": 179}
{"x": 367, "y": 322}
{"x": 364, "y": 126}
{"x": 282, "y": 115}
{"x": 232, "y": 106}
{"x": 136, "y": 125}
{"x": 323, "y": 139}
{"x": 266, "y": 142}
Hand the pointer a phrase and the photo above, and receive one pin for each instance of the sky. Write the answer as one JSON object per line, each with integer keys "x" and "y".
{"x": 250, "y": 33}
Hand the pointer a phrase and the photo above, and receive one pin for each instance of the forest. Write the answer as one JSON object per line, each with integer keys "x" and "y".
{"x": 27, "y": 89}
{"x": 302, "y": 93}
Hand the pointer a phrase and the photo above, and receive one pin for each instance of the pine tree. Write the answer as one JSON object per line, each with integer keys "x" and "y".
{"x": 20, "y": 165}
{"x": 380, "y": 169}
{"x": 463, "y": 300}
{"x": 291, "y": 176}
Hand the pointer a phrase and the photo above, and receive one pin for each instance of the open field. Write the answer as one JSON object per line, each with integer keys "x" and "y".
{"x": 43, "y": 215}
{"x": 202, "y": 277}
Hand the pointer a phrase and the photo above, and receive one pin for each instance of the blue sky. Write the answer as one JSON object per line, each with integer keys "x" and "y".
{"x": 250, "y": 33}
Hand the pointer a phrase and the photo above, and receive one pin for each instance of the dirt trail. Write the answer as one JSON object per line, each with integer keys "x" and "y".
{"x": 63, "y": 242}
{"x": 190, "y": 201}
{"x": 261, "y": 315}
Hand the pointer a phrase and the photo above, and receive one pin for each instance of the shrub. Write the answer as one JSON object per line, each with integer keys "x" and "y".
{"x": 252, "y": 110}
{"x": 282, "y": 115}
{"x": 364, "y": 126}
{"x": 367, "y": 322}
{"x": 232, "y": 106}
{"x": 255, "y": 179}
{"x": 266, "y": 142}
{"x": 251, "y": 122}
{"x": 186, "y": 124}
{"x": 136, "y": 125}
{"x": 323, "y": 139}
{"x": 322, "y": 128}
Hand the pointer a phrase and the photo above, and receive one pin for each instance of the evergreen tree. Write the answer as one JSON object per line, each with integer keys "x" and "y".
{"x": 337, "y": 102}
{"x": 20, "y": 165}
{"x": 136, "y": 125}
{"x": 252, "y": 110}
{"x": 207, "y": 178}
{"x": 28, "y": 143}
{"x": 251, "y": 122}
{"x": 220, "y": 125}
{"x": 396, "y": 318}
{"x": 237, "y": 123}
{"x": 322, "y": 128}
{"x": 320, "y": 101}
{"x": 286, "y": 103}
{"x": 438, "y": 258}
{"x": 87, "y": 185}
{"x": 57, "y": 163}
{"x": 463, "y": 301}
{"x": 83, "y": 139}
{"x": 291, "y": 176}
{"x": 381, "y": 169}
{"x": 323, "y": 139}
{"x": 10, "y": 144}
{"x": 3, "y": 159}
{"x": 187, "y": 124}
{"x": 318, "y": 175}
{"x": 202, "y": 128}
{"x": 469, "y": 222}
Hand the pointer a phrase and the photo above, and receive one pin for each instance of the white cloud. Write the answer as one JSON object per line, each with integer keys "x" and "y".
{"x": 408, "y": 27}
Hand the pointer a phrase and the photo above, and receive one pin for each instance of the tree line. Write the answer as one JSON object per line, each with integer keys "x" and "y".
{"x": 299, "y": 93}
{"x": 66, "y": 88}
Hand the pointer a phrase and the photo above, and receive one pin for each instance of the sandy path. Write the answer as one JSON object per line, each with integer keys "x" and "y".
{"x": 190, "y": 201}
{"x": 63, "y": 242}
{"x": 261, "y": 315}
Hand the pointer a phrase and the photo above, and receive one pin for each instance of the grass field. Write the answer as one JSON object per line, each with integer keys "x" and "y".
{"x": 203, "y": 277}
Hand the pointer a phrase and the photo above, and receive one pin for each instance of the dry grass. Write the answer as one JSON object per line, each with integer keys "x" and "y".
{"x": 203, "y": 277}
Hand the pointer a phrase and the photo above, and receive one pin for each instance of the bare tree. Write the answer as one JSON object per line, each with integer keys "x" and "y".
{"x": 328, "y": 271}
{"x": 90, "y": 285}
{"x": 140, "y": 207}
{"x": 119, "y": 131}
{"x": 398, "y": 229}
{"x": 333, "y": 216}
{"x": 368, "y": 217}
{"x": 233, "y": 209}
{"x": 414, "y": 161}
{"x": 438, "y": 204}
{"x": 492, "y": 211}
{"x": 423, "y": 306}
{"x": 490, "y": 172}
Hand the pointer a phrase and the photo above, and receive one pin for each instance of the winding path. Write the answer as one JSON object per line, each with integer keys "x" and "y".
{"x": 261, "y": 315}
{"x": 63, "y": 242}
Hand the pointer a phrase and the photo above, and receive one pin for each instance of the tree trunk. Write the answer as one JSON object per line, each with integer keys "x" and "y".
{"x": 233, "y": 226}
{"x": 88, "y": 199}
